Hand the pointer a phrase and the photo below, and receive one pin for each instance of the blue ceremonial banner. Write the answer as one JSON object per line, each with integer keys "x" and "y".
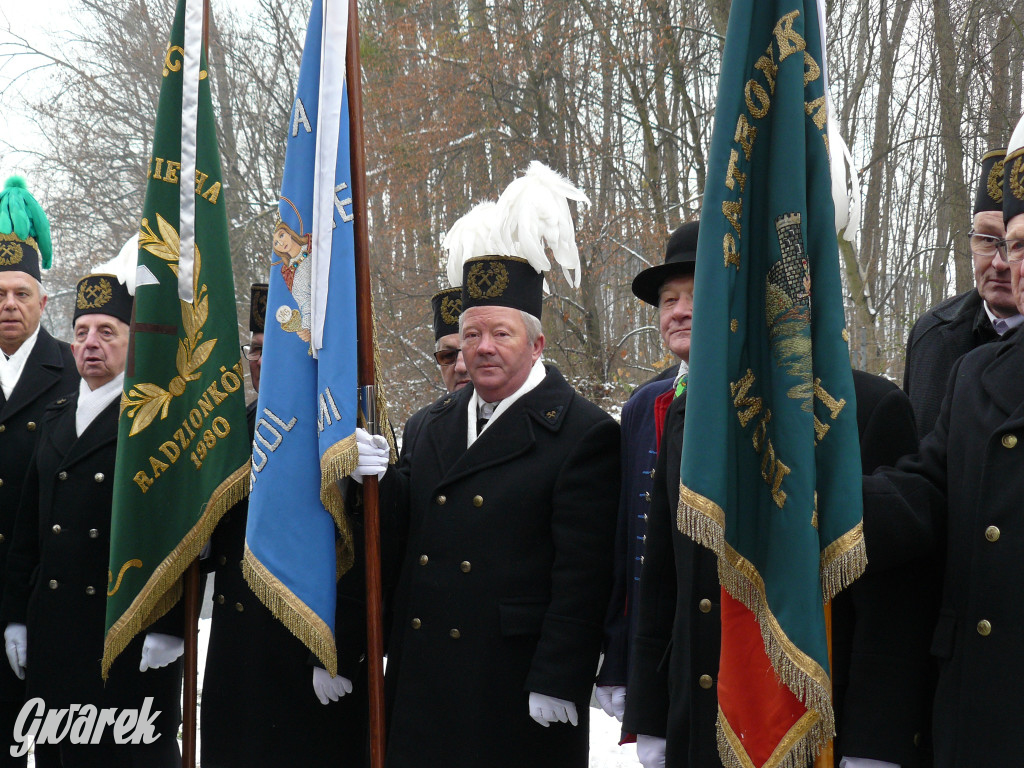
{"x": 298, "y": 541}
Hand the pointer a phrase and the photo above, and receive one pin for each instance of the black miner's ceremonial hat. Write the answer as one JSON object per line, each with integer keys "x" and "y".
{"x": 102, "y": 294}
{"x": 990, "y": 186}
{"x": 502, "y": 281}
{"x": 680, "y": 259}
{"x": 447, "y": 305}
{"x": 257, "y": 307}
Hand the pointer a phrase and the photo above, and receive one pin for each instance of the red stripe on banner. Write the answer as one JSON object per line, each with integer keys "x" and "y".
{"x": 760, "y": 710}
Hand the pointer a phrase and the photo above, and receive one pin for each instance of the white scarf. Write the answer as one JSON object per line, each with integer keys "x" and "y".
{"x": 91, "y": 402}
{"x": 11, "y": 367}
{"x": 478, "y": 407}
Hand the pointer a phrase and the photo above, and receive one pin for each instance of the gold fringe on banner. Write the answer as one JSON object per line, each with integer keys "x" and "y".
{"x": 299, "y": 618}
{"x": 163, "y": 589}
{"x": 843, "y": 561}
{"x": 704, "y": 521}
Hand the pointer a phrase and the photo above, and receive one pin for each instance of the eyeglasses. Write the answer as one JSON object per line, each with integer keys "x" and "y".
{"x": 250, "y": 352}
{"x": 1011, "y": 251}
{"x": 446, "y": 357}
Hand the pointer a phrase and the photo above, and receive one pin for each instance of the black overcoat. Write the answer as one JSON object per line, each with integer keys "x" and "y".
{"x": 679, "y": 626}
{"x": 940, "y": 336}
{"x": 504, "y": 581}
{"x": 57, "y": 581}
{"x": 259, "y": 708}
{"x": 962, "y": 492}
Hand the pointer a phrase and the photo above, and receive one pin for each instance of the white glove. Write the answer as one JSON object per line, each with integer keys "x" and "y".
{"x": 548, "y": 709}
{"x": 160, "y": 650}
{"x": 650, "y": 751}
{"x": 863, "y": 762}
{"x": 612, "y": 699}
{"x": 374, "y": 455}
{"x": 329, "y": 688}
{"x": 16, "y": 642}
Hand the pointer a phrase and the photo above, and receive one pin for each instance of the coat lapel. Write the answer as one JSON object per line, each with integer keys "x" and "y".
{"x": 42, "y": 370}
{"x": 1001, "y": 380}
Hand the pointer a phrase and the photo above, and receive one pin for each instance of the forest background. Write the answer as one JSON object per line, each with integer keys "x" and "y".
{"x": 461, "y": 94}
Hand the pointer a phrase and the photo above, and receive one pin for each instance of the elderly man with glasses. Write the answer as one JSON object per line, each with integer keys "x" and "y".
{"x": 959, "y": 324}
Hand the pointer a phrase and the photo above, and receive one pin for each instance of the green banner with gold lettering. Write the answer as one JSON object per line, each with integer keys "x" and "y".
{"x": 770, "y": 476}
{"x": 183, "y": 446}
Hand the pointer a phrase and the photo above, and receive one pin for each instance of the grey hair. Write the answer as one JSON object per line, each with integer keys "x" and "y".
{"x": 533, "y": 327}
{"x": 42, "y": 289}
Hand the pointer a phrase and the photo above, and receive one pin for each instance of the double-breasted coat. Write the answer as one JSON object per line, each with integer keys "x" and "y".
{"x": 962, "y": 493}
{"x": 504, "y": 581}
{"x": 57, "y": 583}
{"x": 48, "y": 374}
{"x": 259, "y": 708}
{"x": 672, "y": 691}
{"x": 940, "y": 336}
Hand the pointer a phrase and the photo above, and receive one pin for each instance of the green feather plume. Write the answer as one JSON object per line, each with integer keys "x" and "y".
{"x": 22, "y": 215}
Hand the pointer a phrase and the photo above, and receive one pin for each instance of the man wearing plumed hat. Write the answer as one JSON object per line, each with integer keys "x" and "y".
{"x": 961, "y": 495}
{"x": 35, "y": 369}
{"x": 509, "y": 503}
{"x": 957, "y": 325}
{"x": 57, "y": 576}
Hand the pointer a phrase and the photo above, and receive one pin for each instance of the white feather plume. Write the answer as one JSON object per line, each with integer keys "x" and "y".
{"x": 472, "y": 235}
{"x": 123, "y": 265}
{"x": 845, "y": 188}
{"x": 1016, "y": 139}
{"x": 533, "y": 214}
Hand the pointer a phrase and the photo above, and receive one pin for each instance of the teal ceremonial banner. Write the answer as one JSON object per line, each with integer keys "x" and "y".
{"x": 770, "y": 476}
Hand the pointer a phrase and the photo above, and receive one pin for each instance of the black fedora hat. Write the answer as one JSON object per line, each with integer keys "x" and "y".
{"x": 680, "y": 259}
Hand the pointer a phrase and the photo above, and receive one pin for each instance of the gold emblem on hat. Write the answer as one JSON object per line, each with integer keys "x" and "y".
{"x": 94, "y": 295}
{"x": 1017, "y": 178}
{"x": 487, "y": 280}
{"x": 10, "y": 250}
{"x": 995, "y": 182}
{"x": 451, "y": 308}
{"x": 259, "y": 308}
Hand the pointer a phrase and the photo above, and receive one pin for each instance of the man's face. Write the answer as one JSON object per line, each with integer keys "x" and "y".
{"x": 256, "y": 345}
{"x": 455, "y": 376}
{"x": 675, "y": 314}
{"x": 100, "y": 347}
{"x": 991, "y": 273}
{"x": 21, "y": 306}
{"x": 1015, "y": 231}
{"x": 498, "y": 354}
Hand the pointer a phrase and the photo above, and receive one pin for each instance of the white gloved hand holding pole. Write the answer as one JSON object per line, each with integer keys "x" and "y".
{"x": 612, "y": 699}
{"x": 374, "y": 455}
{"x": 159, "y": 650}
{"x": 329, "y": 688}
{"x": 16, "y": 644}
{"x": 547, "y": 709}
{"x": 650, "y": 751}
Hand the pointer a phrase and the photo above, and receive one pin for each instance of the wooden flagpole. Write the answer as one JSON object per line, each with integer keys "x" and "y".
{"x": 190, "y": 681}
{"x": 364, "y": 331}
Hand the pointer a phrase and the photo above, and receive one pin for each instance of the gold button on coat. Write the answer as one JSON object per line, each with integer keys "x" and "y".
{"x": 647, "y": 496}
{"x": 1, "y": 538}
{"x": 984, "y": 628}
{"x": 56, "y": 529}
{"x": 424, "y": 559}
{"x": 478, "y": 501}
{"x": 465, "y": 566}
{"x": 239, "y": 607}
{"x": 90, "y": 590}
{"x": 416, "y": 623}
{"x": 220, "y": 599}
{"x": 704, "y": 681}
{"x": 455, "y": 634}
{"x": 992, "y": 533}
{"x": 53, "y": 584}
{"x": 99, "y": 477}
{"x": 31, "y": 426}
{"x": 93, "y": 533}
{"x": 705, "y": 606}
{"x": 1009, "y": 441}
{"x": 62, "y": 476}
{"x": 3, "y": 427}
{"x": 223, "y": 560}
{"x": 441, "y": 499}
{"x": 652, "y": 473}
{"x": 1, "y": 483}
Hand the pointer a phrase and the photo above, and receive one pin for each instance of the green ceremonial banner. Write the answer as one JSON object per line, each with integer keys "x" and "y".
{"x": 770, "y": 475}
{"x": 183, "y": 446}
